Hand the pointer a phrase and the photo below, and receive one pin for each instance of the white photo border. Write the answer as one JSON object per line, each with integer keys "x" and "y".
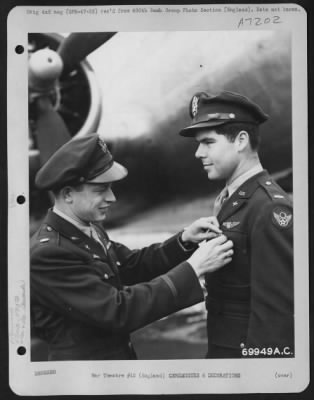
{"x": 88, "y": 378}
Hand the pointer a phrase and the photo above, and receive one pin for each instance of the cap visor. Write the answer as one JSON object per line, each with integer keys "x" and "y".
{"x": 115, "y": 173}
{"x": 192, "y": 129}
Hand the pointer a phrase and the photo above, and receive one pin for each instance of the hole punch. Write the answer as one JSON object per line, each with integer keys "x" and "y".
{"x": 21, "y": 350}
{"x": 19, "y": 49}
{"x": 21, "y": 199}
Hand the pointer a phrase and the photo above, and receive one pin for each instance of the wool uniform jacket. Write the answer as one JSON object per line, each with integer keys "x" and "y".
{"x": 250, "y": 301}
{"x": 85, "y": 300}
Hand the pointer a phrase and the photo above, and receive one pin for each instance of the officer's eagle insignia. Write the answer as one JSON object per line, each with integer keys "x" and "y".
{"x": 194, "y": 106}
{"x": 282, "y": 217}
{"x": 103, "y": 145}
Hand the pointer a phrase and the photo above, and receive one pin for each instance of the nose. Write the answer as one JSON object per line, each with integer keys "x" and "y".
{"x": 199, "y": 152}
{"x": 109, "y": 196}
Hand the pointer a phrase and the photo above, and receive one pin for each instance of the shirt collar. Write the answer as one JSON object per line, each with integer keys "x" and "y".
{"x": 234, "y": 185}
{"x": 84, "y": 228}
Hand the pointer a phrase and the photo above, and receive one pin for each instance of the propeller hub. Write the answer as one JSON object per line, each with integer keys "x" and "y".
{"x": 45, "y": 67}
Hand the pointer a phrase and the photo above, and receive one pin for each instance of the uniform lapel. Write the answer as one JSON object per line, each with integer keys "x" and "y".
{"x": 230, "y": 207}
{"x": 240, "y": 197}
{"x": 76, "y": 236}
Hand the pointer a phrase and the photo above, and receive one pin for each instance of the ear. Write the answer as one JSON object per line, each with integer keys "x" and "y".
{"x": 67, "y": 194}
{"x": 242, "y": 140}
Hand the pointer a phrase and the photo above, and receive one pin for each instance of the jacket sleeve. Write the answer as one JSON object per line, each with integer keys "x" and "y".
{"x": 65, "y": 284}
{"x": 271, "y": 320}
{"x": 149, "y": 262}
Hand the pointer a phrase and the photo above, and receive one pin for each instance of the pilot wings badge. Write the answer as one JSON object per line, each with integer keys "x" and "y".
{"x": 230, "y": 224}
{"x": 282, "y": 217}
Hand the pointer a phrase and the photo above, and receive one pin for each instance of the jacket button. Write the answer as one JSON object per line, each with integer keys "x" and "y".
{"x": 118, "y": 263}
{"x": 106, "y": 276}
{"x": 49, "y": 229}
{"x": 268, "y": 183}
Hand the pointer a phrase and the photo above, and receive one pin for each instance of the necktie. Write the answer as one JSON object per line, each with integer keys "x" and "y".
{"x": 95, "y": 236}
{"x": 220, "y": 199}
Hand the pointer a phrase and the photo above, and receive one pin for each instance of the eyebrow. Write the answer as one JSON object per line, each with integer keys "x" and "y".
{"x": 207, "y": 140}
{"x": 100, "y": 186}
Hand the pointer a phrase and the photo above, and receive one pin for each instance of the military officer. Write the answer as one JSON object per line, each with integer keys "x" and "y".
{"x": 87, "y": 292}
{"x": 250, "y": 302}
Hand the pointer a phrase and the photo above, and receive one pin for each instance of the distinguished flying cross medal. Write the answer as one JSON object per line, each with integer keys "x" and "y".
{"x": 282, "y": 217}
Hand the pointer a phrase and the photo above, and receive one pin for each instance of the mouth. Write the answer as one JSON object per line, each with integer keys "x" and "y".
{"x": 207, "y": 165}
{"x": 103, "y": 209}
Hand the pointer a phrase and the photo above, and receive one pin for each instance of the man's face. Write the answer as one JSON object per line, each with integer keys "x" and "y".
{"x": 91, "y": 201}
{"x": 218, "y": 155}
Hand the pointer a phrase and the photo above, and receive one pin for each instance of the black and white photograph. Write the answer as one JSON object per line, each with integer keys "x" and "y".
{"x": 163, "y": 151}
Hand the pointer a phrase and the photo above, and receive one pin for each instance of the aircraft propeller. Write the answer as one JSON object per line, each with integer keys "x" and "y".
{"x": 52, "y": 72}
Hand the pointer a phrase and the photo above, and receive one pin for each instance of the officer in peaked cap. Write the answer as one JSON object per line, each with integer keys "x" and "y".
{"x": 81, "y": 160}
{"x": 87, "y": 292}
{"x": 250, "y": 303}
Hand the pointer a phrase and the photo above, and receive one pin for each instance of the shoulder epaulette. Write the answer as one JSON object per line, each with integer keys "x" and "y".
{"x": 273, "y": 190}
{"x": 47, "y": 235}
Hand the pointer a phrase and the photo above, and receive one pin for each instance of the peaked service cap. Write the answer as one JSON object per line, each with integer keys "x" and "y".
{"x": 84, "y": 159}
{"x": 207, "y": 110}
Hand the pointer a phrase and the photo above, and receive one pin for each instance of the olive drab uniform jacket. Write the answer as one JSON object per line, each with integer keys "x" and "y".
{"x": 250, "y": 301}
{"x": 85, "y": 300}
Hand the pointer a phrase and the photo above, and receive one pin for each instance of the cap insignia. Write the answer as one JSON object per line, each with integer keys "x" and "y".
{"x": 194, "y": 106}
{"x": 103, "y": 145}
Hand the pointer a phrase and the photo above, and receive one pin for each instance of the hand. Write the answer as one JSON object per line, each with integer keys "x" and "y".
{"x": 211, "y": 255}
{"x": 202, "y": 229}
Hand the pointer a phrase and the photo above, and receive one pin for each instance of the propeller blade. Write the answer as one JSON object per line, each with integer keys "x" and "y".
{"x": 51, "y": 130}
{"x": 77, "y": 46}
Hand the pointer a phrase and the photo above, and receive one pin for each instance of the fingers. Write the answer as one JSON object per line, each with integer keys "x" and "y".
{"x": 216, "y": 241}
{"x": 212, "y": 224}
{"x": 228, "y": 253}
{"x": 226, "y": 245}
{"x": 227, "y": 260}
{"x": 214, "y": 228}
{"x": 219, "y": 240}
{"x": 207, "y": 236}
{"x": 213, "y": 220}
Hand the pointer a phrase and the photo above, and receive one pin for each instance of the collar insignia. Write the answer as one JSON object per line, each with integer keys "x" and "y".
{"x": 230, "y": 224}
